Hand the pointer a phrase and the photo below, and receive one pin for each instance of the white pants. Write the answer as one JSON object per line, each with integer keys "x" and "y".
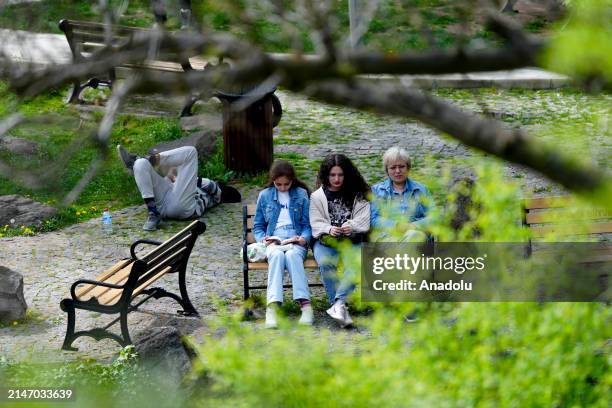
{"x": 178, "y": 199}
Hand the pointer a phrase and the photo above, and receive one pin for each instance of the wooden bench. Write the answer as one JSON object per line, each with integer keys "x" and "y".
{"x": 85, "y": 38}
{"x": 248, "y": 216}
{"x": 113, "y": 291}
{"x": 544, "y": 215}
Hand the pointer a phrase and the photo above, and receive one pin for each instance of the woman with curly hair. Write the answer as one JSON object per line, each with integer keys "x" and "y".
{"x": 339, "y": 210}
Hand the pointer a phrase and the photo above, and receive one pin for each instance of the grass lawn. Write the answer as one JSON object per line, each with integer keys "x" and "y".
{"x": 66, "y": 149}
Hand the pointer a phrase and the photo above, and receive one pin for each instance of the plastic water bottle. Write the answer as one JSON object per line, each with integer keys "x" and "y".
{"x": 107, "y": 221}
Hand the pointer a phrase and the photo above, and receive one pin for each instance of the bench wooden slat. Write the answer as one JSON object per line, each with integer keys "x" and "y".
{"x": 113, "y": 295}
{"x": 157, "y": 65}
{"x": 98, "y": 37}
{"x": 107, "y": 296}
{"x": 309, "y": 263}
{"x": 251, "y": 209}
{"x": 110, "y": 292}
{"x": 160, "y": 64}
{"x": 250, "y": 238}
{"x": 170, "y": 249}
{"x": 250, "y": 222}
{"x": 100, "y": 27}
{"x": 88, "y": 48}
{"x": 544, "y": 217}
{"x": 258, "y": 266}
{"x": 604, "y": 255}
{"x": 546, "y": 202}
{"x": 169, "y": 242}
{"x": 103, "y": 276}
{"x": 84, "y": 25}
{"x": 573, "y": 229}
{"x": 152, "y": 270}
{"x": 118, "y": 278}
{"x": 592, "y": 256}
{"x": 148, "y": 283}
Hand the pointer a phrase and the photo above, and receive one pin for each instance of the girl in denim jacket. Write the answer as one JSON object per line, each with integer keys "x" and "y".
{"x": 282, "y": 212}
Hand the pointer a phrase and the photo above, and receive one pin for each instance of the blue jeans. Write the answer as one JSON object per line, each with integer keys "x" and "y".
{"x": 327, "y": 258}
{"x": 293, "y": 261}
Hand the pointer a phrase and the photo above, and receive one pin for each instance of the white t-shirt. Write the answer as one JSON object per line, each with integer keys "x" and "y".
{"x": 283, "y": 218}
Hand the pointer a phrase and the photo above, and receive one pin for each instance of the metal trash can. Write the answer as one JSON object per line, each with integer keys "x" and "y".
{"x": 249, "y": 115}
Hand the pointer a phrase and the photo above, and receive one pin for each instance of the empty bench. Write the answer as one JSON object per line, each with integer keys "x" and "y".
{"x": 248, "y": 215}
{"x": 545, "y": 215}
{"x": 85, "y": 38}
{"x": 113, "y": 291}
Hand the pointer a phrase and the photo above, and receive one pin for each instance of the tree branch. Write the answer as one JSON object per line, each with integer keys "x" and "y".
{"x": 180, "y": 46}
{"x": 487, "y": 135}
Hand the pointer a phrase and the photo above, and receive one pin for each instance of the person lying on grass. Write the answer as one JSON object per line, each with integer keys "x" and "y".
{"x": 180, "y": 194}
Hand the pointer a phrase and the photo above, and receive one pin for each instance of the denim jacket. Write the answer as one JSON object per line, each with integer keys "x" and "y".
{"x": 268, "y": 210}
{"x": 414, "y": 202}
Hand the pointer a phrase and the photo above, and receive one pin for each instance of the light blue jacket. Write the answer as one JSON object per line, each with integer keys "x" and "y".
{"x": 413, "y": 203}
{"x": 268, "y": 210}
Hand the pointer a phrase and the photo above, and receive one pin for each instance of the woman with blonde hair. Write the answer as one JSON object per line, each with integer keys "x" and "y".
{"x": 398, "y": 202}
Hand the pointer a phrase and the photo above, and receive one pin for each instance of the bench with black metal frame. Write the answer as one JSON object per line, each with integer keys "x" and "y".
{"x": 248, "y": 215}
{"x": 85, "y": 38}
{"x": 542, "y": 216}
{"x": 113, "y": 291}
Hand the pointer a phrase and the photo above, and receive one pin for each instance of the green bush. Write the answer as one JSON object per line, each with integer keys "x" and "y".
{"x": 496, "y": 354}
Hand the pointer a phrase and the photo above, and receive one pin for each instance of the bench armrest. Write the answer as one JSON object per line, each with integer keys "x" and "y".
{"x": 141, "y": 241}
{"x": 92, "y": 282}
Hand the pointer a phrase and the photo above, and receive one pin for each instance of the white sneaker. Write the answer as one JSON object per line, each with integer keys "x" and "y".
{"x": 347, "y": 317}
{"x": 307, "y": 317}
{"x": 338, "y": 312}
{"x": 271, "y": 322}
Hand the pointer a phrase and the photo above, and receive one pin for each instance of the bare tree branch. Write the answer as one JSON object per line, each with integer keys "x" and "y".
{"x": 9, "y": 123}
{"x": 23, "y": 177}
{"x": 112, "y": 108}
{"x": 319, "y": 14}
{"x": 366, "y": 16}
{"x": 525, "y": 45}
{"x": 297, "y": 69}
{"x": 101, "y": 137}
{"x": 93, "y": 169}
{"x": 48, "y": 173}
